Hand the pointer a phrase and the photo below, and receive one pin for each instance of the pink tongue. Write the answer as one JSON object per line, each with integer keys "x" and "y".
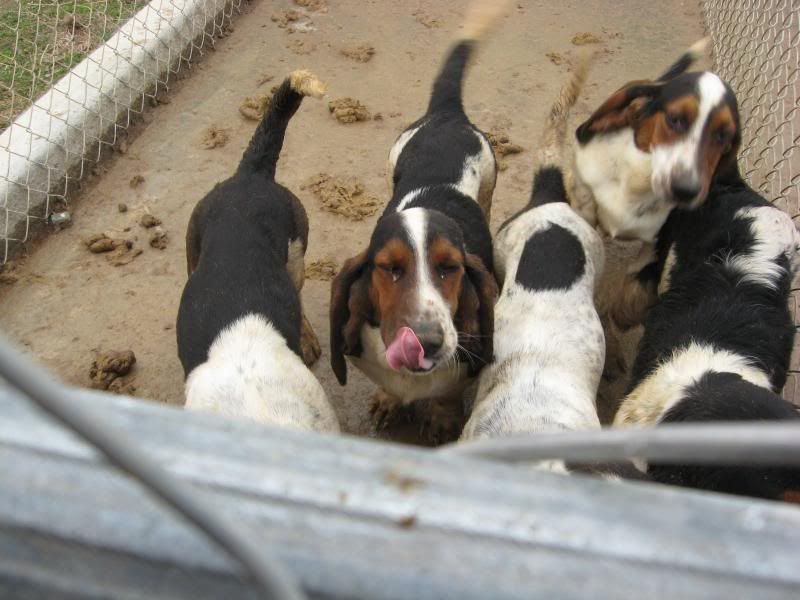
{"x": 407, "y": 351}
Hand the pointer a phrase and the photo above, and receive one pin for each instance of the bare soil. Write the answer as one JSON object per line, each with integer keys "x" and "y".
{"x": 66, "y": 305}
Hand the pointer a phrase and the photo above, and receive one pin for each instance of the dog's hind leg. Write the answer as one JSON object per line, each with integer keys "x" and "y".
{"x": 295, "y": 264}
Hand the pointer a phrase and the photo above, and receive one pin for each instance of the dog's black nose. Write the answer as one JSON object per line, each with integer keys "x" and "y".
{"x": 430, "y": 336}
{"x": 684, "y": 191}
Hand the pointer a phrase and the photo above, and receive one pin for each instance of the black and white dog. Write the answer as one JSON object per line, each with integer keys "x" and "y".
{"x": 717, "y": 344}
{"x": 240, "y": 317}
{"x": 548, "y": 341}
{"x": 414, "y": 310}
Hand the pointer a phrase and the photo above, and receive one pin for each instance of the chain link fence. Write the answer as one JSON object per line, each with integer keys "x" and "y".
{"x": 73, "y": 75}
{"x": 757, "y": 50}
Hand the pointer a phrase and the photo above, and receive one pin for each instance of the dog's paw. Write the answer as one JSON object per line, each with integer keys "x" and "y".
{"x": 384, "y": 409}
{"x": 442, "y": 420}
{"x": 309, "y": 343}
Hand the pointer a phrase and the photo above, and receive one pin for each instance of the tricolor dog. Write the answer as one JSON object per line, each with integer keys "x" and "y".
{"x": 656, "y": 145}
{"x": 414, "y": 311}
{"x": 717, "y": 343}
{"x": 549, "y": 346}
{"x": 240, "y": 321}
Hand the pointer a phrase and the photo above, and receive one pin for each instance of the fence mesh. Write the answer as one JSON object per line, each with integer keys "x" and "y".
{"x": 115, "y": 47}
{"x": 757, "y": 50}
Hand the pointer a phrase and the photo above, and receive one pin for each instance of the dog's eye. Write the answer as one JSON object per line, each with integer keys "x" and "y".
{"x": 394, "y": 272}
{"x": 723, "y": 137}
{"x": 447, "y": 269}
{"x": 677, "y": 122}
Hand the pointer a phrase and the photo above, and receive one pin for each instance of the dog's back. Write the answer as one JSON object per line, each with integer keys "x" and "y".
{"x": 716, "y": 347}
{"x": 548, "y": 343}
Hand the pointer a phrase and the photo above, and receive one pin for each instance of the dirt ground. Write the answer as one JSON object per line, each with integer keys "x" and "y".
{"x": 69, "y": 304}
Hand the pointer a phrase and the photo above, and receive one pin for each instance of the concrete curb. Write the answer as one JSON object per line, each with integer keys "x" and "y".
{"x": 46, "y": 146}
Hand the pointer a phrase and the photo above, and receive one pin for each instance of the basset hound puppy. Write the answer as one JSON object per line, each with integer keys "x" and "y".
{"x": 656, "y": 145}
{"x": 240, "y": 321}
{"x": 548, "y": 341}
{"x": 717, "y": 343}
{"x": 414, "y": 311}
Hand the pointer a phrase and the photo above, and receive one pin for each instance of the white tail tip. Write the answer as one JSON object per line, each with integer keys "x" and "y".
{"x": 482, "y": 16}
{"x": 307, "y": 84}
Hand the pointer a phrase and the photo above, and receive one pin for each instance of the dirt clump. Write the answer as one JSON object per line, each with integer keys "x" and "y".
{"x": 254, "y": 107}
{"x": 359, "y": 52}
{"x": 284, "y": 18}
{"x": 423, "y": 18}
{"x": 348, "y": 110}
{"x": 556, "y": 58}
{"x": 122, "y": 207}
{"x": 214, "y": 137}
{"x": 502, "y": 146}
{"x": 323, "y": 269}
{"x": 136, "y": 181}
{"x": 298, "y": 46}
{"x": 100, "y": 243}
{"x": 343, "y": 196}
{"x": 313, "y": 5}
{"x": 123, "y": 255}
{"x": 584, "y": 38}
{"x": 159, "y": 239}
{"x": 147, "y": 221}
{"x": 108, "y": 367}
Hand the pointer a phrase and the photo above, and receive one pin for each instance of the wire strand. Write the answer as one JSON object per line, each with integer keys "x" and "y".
{"x": 274, "y": 581}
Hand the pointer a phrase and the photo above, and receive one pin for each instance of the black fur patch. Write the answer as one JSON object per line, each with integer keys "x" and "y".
{"x": 708, "y": 301}
{"x": 727, "y": 397}
{"x": 552, "y": 259}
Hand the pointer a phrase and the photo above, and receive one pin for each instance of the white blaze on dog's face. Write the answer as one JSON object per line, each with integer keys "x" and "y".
{"x": 428, "y": 296}
{"x": 416, "y": 285}
{"x": 692, "y": 126}
{"x": 688, "y": 124}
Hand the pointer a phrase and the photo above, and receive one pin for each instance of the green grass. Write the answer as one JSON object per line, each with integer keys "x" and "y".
{"x": 40, "y": 42}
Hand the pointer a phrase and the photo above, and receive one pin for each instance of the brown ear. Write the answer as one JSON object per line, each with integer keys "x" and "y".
{"x": 475, "y": 315}
{"x": 350, "y": 308}
{"x": 619, "y": 111}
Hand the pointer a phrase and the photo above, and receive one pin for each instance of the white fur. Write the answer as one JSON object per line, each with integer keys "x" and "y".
{"x": 446, "y": 381}
{"x": 681, "y": 158}
{"x": 618, "y": 175}
{"x": 409, "y": 198}
{"x": 252, "y": 373}
{"x": 664, "y": 387}
{"x": 775, "y": 235}
{"x": 666, "y": 272}
{"x": 549, "y": 345}
{"x": 632, "y": 189}
{"x": 401, "y": 142}
{"x": 431, "y": 307}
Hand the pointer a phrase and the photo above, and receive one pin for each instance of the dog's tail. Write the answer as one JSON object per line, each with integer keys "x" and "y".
{"x": 482, "y": 16}
{"x": 265, "y": 146}
{"x": 694, "y": 53}
{"x": 548, "y": 183}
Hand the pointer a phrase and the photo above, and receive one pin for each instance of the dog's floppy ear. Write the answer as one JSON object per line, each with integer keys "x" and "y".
{"x": 350, "y": 306}
{"x": 727, "y": 171}
{"x": 619, "y": 111}
{"x": 475, "y": 314}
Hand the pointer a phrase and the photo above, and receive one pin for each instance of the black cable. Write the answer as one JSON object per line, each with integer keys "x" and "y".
{"x": 274, "y": 581}
{"x": 773, "y": 444}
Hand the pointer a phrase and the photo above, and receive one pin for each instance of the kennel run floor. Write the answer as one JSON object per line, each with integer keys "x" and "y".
{"x": 69, "y": 304}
